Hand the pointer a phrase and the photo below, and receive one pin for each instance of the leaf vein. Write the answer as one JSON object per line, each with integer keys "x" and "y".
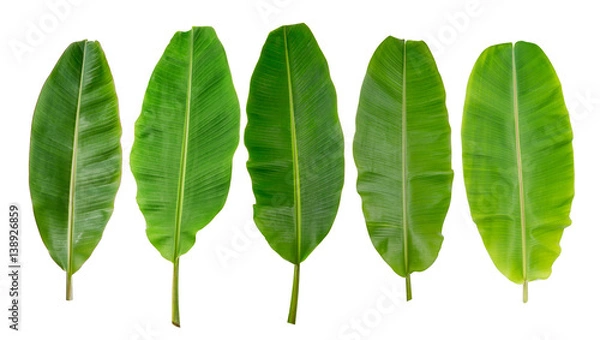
{"x": 297, "y": 195}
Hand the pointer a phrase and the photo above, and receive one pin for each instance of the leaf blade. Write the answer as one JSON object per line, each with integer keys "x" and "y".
{"x": 402, "y": 153}
{"x": 185, "y": 140}
{"x": 269, "y": 142}
{"x": 295, "y": 146}
{"x": 75, "y": 155}
{"x": 522, "y": 220}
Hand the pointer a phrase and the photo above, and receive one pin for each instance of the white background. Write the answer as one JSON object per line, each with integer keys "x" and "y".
{"x": 346, "y": 291}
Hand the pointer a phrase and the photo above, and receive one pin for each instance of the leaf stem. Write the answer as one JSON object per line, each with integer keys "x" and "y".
{"x": 175, "y": 301}
{"x": 408, "y": 288}
{"x": 69, "y": 286}
{"x": 525, "y": 291}
{"x": 294, "y": 301}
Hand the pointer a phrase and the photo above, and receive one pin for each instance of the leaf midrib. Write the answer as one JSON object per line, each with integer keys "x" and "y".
{"x": 297, "y": 196}
{"x": 404, "y": 163}
{"x": 73, "y": 179}
{"x": 184, "y": 152}
{"x": 519, "y": 165}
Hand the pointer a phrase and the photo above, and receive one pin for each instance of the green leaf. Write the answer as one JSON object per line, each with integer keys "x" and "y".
{"x": 518, "y": 159}
{"x": 295, "y": 146}
{"x": 75, "y": 156}
{"x": 402, "y": 152}
{"x": 185, "y": 139}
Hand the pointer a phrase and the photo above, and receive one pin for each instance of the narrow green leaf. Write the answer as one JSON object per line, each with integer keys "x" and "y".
{"x": 402, "y": 152}
{"x": 295, "y": 146}
{"x": 518, "y": 159}
{"x": 75, "y": 156}
{"x": 185, "y": 139}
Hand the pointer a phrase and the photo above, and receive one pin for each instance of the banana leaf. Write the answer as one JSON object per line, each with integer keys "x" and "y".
{"x": 402, "y": 153}
{"x": 185, "y": 139}
{"x": 295, "y": 146}
{"x": 518, "y": 159}
{"x": 75, "y": 156}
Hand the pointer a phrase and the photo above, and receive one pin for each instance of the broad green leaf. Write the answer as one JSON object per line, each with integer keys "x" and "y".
{"x": 75, "y": 156}
{"x": 518, "y": 159}
{"x": 402, "y": 152}
{"x": 185, "y": 138}
{"x": 295, "y": 146}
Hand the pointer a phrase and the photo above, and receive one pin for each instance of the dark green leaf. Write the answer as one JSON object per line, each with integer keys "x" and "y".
{"x": 402, "y": 152}
{"x": 75, "y": 155}
{"x": 295, "y": 144}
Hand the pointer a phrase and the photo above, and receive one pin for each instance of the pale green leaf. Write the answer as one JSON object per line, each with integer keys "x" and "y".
{"x": 518, "y": 159}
